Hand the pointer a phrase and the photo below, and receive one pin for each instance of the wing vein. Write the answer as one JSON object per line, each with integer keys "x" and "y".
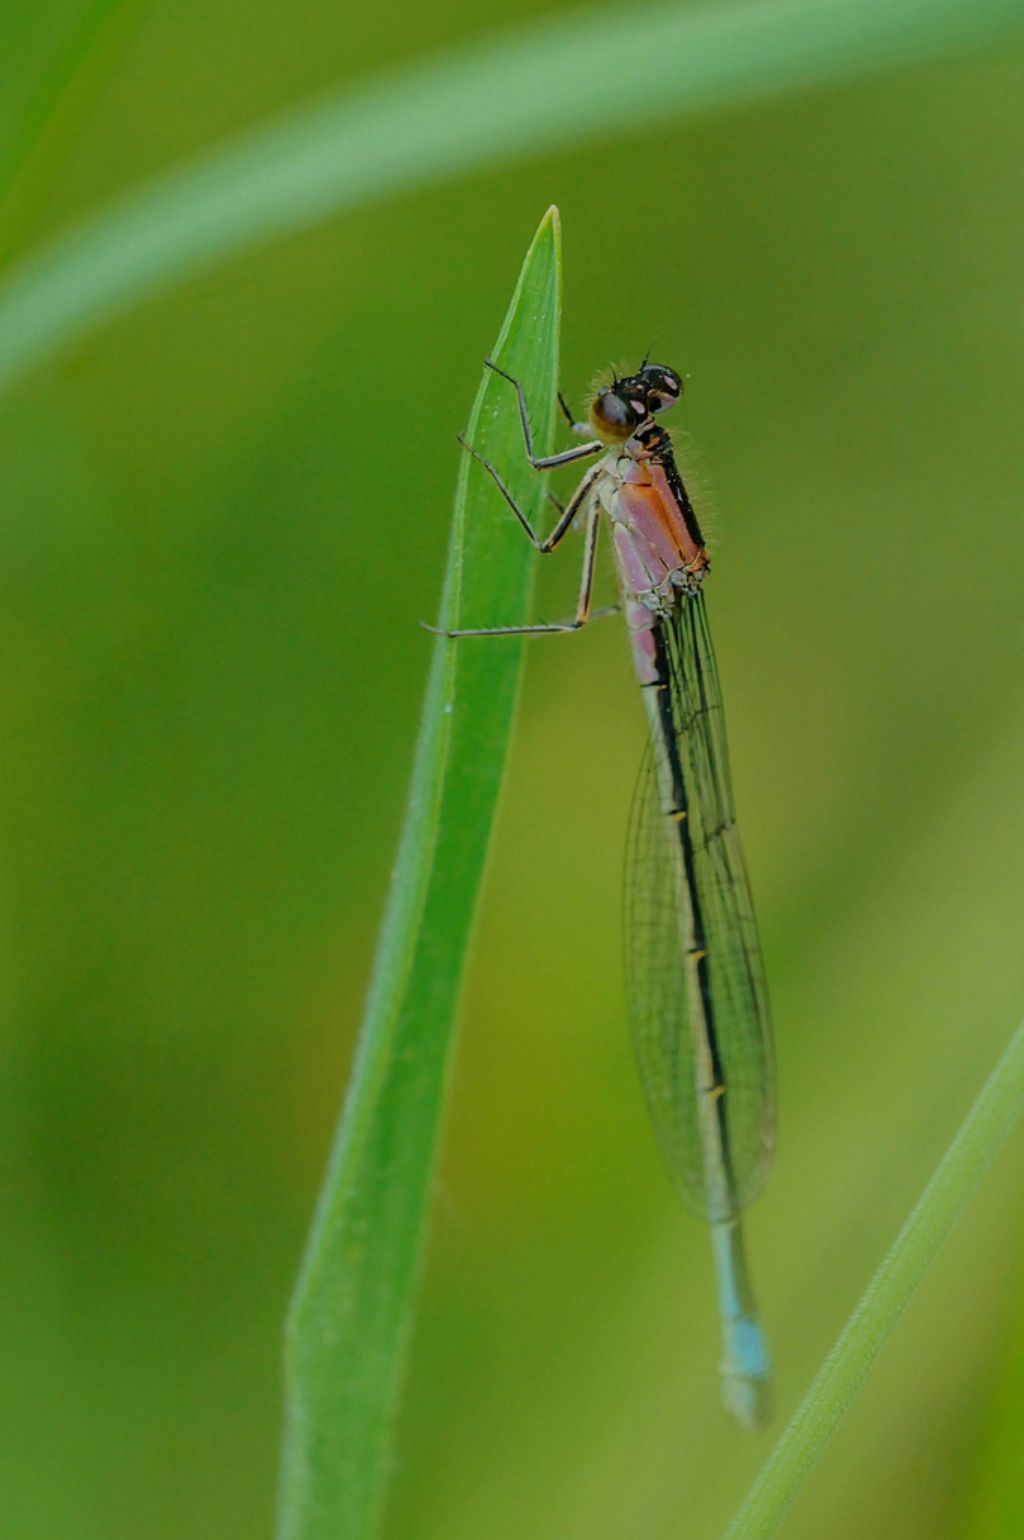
{"x": 695, "y": 980}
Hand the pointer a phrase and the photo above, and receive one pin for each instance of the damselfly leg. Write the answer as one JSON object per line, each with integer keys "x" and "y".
{"x": 567, "y": 512}
{"x": 546, "y": 462}
{"x": 582, "y": 501}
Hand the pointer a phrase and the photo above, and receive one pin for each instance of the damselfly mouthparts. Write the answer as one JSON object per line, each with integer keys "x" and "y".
{"x": 695, "y": 982}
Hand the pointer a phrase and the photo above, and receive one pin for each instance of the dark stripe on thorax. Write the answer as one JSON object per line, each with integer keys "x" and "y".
{"x": 659, "y": 445}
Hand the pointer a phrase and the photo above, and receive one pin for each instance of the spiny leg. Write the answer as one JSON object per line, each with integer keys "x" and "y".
{"x": 566, "y": 514}
{"x": 544, "y": 462}
{"x": 582, "y": 615}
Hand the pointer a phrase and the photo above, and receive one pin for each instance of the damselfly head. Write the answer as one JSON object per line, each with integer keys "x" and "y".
{"x": 618, "y": 409}
{"x": 663, "y": 386}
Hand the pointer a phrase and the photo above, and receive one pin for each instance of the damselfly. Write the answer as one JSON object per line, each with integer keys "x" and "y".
{"x": 695, "y": 982}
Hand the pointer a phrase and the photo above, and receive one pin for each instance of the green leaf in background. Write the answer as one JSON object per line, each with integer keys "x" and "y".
{"x": 526, "y": 89}
{"x": 350, "y": 1319}
{"x": 57, "y": 106}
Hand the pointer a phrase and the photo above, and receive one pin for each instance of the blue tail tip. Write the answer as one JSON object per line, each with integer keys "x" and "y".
{"x": 748, "y": 1400}
{"x": 747, "y": 1375}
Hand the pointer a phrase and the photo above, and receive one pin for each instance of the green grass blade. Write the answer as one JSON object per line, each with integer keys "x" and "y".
{"x": 551, "y": 83}
{"x": 350, "y": 1318}
{"x": 996, "y": 1112}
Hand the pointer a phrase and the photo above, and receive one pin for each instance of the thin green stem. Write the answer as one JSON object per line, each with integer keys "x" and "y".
{"x": 996, "y": 1112}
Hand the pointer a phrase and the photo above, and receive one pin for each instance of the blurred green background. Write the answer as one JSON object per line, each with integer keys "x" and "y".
{"x": 225, "y": 515}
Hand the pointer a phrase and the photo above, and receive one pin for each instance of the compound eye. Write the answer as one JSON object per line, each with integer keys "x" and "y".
{"x": 664, "y": 387}
{"x": 611, "y": 411}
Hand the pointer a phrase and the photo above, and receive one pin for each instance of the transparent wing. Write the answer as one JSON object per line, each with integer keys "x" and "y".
{"x": 715, "y": 1130}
